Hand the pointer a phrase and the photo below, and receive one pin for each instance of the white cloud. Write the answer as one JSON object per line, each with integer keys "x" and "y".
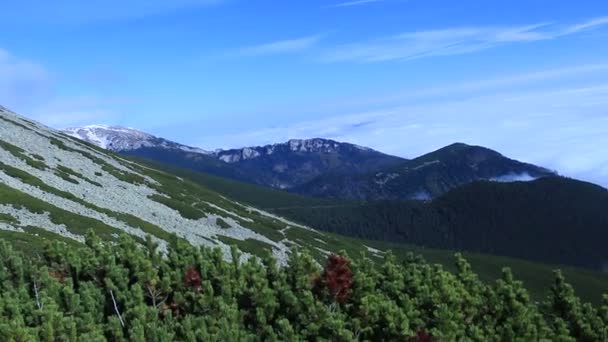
{"x": 77, "y": 111}
{"x": 535, "y": 78}
{"x": 354, "y": 3}
{"x": 281, "y": 47}
{"x": 22, "y": 82}
{"x": 27, "y": 87}
{"x": 75, "y": 118}
{"x": 451, "y": 41}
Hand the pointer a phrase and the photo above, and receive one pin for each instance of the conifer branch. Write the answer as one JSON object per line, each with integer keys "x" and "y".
{"x": 38, "y": 302}
{"x": 152, "y": 296}
{"x": 155, "y": 294}
{"x": 116, "y": 309}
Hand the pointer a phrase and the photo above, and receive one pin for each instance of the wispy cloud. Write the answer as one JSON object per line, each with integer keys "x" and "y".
{"x": 588, "y": 25}
{"x": 70, "y": 12}
{"x": 22, "y": 82}
{"x": 451, "y": 41}
{"x": 80, "y": 110}
{"x": 487, "y": 86}
{"x": 27, "y": 87}
{"x": 551, "y": 123}
{"x": 281, "y": 46}
{"x": 354, "y": 3}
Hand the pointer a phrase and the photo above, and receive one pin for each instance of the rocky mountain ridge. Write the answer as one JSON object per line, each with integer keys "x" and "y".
{"x": 330, "y": 169}
{"x": 281, "y": 165}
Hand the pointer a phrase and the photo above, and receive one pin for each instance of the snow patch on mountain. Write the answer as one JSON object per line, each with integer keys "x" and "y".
{"x": 230, "y": 158}
{"x": 383, "y": 178}
{"x": 110, "y": 137}
{"x": 425, "y": 164}
{"x": 116, "y": 138}
{"x": 313, "y": 145}
{"x": 249, "y": 153}
{"x": 294, "y": 145}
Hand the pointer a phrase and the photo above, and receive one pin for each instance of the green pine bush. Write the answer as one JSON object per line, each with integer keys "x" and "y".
{"x": 126, "y": 291}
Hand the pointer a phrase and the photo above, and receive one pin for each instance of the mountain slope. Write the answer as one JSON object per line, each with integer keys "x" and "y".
{"x": 57, "y": 186}
{"x": 425, "y": 177}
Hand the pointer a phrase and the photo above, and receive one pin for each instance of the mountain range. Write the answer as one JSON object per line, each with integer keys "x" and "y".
{"x": 460, "y": 197}
{"x": 325, "y": 168}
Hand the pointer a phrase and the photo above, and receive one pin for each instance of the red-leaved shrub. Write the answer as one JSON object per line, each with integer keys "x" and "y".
{"x": 337, "y": 277}
{"x": 192, "y": 278}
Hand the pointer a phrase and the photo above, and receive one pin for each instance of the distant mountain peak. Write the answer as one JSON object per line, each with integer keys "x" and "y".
{"x": 313, "y": 145}
{"x": 460, "y": 146}
{"x": 110, "y": 137}
{"x": 321, "y": 144}
{"x": 470, "y": 154}
{"x": 118, "y": 138}
{"x": 428, "y": 176}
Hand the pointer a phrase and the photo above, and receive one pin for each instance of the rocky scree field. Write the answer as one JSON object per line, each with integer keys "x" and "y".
{"x": 56, "y": 186}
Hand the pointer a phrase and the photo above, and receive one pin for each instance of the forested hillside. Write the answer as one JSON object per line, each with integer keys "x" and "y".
{"x": 425, "y": 177}
{"x": 544, "y": 220}
{"x": 552, "y": 219}
{"x": 126, "y": 291}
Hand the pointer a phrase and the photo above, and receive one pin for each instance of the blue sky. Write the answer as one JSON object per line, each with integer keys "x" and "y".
{"x": 526, "y": 77}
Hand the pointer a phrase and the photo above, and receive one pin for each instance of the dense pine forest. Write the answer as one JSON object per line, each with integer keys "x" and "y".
{"x": 510, "y": 219}
{"x": 129, "y": 291}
